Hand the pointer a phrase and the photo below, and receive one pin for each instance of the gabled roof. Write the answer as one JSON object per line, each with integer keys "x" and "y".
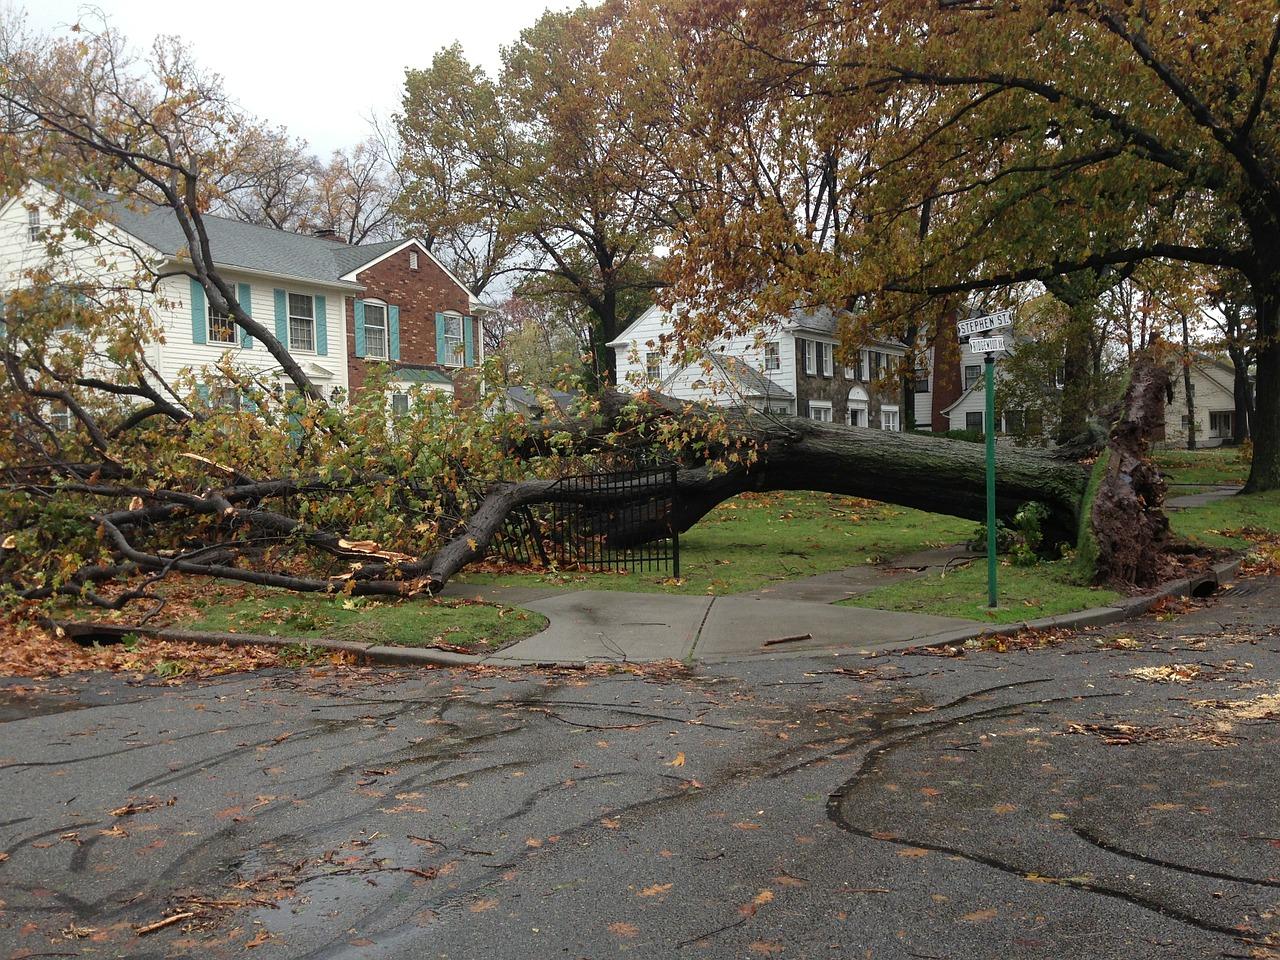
{"x": 750, "y": 381}
{"x": 236, "y": 244}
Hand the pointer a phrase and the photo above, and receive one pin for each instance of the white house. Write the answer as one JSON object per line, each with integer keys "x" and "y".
{"x": 338, "y": 308}
{"x": 1213, "y": 397}
{"x": 786, "y": 368}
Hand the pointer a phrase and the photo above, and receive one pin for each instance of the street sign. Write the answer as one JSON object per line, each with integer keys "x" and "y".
{"x": 986, "y": 344}
{"x": 994, "y": 321}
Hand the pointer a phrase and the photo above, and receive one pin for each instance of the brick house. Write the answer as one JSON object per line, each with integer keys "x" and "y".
{"x": 413, "y": 315}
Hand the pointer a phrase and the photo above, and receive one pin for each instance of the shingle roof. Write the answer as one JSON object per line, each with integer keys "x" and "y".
{"x": 247, "y": 245}
{"x": 419, "y": 373}
{"x": 752, "y": 382}
{"x": 351, "y": 258}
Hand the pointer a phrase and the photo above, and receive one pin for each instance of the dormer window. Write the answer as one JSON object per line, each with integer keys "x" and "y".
{"x": 413, "y": 260}
{"x": 33, "y": 225}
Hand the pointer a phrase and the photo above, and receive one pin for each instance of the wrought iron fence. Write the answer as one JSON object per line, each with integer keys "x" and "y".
{"x": 613, "y": 520}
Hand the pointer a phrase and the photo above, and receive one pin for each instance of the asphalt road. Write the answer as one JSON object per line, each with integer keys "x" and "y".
{"x": 1020, "y": 804}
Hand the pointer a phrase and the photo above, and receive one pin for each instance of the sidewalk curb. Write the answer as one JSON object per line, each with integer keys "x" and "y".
{"x": 1128, "y": 609}
{"x": 377, "y": 653}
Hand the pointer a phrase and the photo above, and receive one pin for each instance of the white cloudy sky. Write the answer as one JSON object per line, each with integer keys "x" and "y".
{"x": 321, "y": 68}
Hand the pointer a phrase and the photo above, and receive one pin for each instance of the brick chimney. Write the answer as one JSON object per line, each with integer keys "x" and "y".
{"x": 328, "y": 233}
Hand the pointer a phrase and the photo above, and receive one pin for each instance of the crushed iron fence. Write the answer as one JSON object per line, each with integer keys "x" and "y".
{"x": 620, "y": 520}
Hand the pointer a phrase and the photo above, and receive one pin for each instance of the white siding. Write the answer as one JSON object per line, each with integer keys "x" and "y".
{"x": 115, "y": 260}
{"x": 678, "y": 378}
{"x": 1213, "y": 394}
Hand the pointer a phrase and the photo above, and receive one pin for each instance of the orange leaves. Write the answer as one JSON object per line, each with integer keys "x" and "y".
{"x": 678, "y": 761}
{"x": 624, "y": 930}
{"x": 483, "y": 905}
{"x": 655, "y": 890}
{"x": 980, "y": 916}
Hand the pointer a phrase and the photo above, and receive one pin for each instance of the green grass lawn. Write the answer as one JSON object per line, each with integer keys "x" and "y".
{"x": 1220, "y": 524}
{"x": 1025, "y": 593}
{"x": 754, "y": 539}
{"x": 1191, "y": 471}
{"x": 413, "y": 623}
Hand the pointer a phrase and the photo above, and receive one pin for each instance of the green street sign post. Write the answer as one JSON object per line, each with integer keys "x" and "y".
{"x": 989, "y": 346}
{"x": 990, "y": 364}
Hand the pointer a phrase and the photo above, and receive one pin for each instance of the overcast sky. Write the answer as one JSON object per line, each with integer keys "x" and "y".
{"x": 319, "y": 68}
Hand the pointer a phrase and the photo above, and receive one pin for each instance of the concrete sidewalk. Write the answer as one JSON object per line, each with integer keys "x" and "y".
{"x": 612, "y": 626}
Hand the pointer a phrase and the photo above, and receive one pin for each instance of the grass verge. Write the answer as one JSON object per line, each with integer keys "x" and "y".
{"x": 479, "y": 627}
{"x": 1193, "y": 471}
{"x": 1236, "y": 522}
{"x": 1026, "y": 593}
{"x": 755, "y": 539}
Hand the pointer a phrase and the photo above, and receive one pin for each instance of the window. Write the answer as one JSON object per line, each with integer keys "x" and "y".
{"x": 819, "y": 411}
{"x": 1220, "y": 423}
{"x": 973, "y": 421}
{"x": 810, "y": 356}
{"x": 889, "y": 418}
{"x": 1186, "y": 422}
{"x": 302, "y": 322}
{"x": 33, "y": 225}
{"x": 780, "y": 409}
{"x": 653, "y": 365}
{"x": 772, "y": 356}
{"x": 226, "y": 398}
{"x": 876, "y": 363}
{"x": 855, "y": 372}
{"x": 413, "y": 265}
{"x": 826, "y": 359}
{"x": 921, "y": 384}
{"x": 375, "y": 330}
{"x": 453, "y": 352}
{"x": 399, "y": 405}
{"x": 222, "y": 329}
{"x": 972, "y": 374}
{"x": 59, "y": 416}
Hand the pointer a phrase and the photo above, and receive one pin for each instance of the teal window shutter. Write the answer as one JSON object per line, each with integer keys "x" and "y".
{"x": 359, "y": 325}
{"x": 202, "y": 394}
{"x": 468, "y": 341}
{"x": 199, "y": 315}
{"x": 322, "y": 328}
{"x": 442, "y": 345}
{"x": 393, "y": 332}
{"x": 244, "y": 293}
{"x": 282, "y": 317}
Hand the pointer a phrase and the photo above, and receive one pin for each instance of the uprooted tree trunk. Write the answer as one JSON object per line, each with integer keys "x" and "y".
{"x": 1127, "y": 527}
{"x": 930, "y": 473}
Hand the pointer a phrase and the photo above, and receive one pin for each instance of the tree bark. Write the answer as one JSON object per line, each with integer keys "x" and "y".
{"x": 1264, "y": 471}
{"x": 1126, "y": 518}
{"x": 1188, "y": 388}
{"x": 929, "y": 473}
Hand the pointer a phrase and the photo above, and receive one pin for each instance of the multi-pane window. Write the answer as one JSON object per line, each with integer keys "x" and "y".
{"x": 375, "y": 330}
{"x": 772, "y": 356}
{"x": 222, "y": 329}
{"x": 1220, "y": 423}
{"x": 653, "y": 365}
{"x": 820, "y": 412}
{"x": 826, "y": 359}
{"x": 302, "y": 322}
{"x": 226, "y": 398}
{"x": 399, "y": 405}
{"x": 810, "y": 356}
{"x": 854, "y": 372}
{"x": 972, "y": 373}
{"x": 857, "y": 413}
{"x": 889, "y": 419}
{"x": 33, "y": 225}
{"x": 921, "y": 384}
{"x": 59, "y": 416}
{"x": 973, "y": 421}
{"x": 453, "y": 353}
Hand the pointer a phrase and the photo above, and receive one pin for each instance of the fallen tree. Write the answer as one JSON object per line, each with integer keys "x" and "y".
{"x": 1123, "y": 519}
